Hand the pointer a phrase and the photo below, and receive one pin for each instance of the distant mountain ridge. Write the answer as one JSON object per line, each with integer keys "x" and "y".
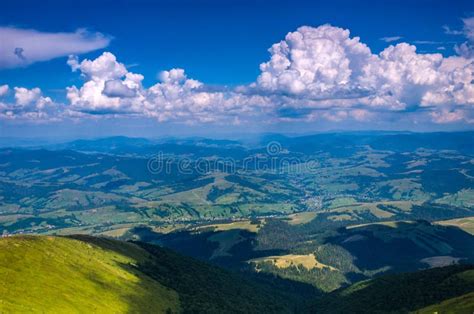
{"x": 338, "y": 172}
{"x": 391, "y": 140}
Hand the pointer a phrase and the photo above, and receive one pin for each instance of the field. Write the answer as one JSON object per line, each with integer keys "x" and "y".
{"x": 284, "y": 261}
{"x": 301, "y": 218}
{"x": 466, "y": 224}
{"x": 249, "y": 225}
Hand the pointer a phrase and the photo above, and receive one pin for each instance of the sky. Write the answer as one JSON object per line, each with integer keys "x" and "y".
{"x": 160, "y": 68}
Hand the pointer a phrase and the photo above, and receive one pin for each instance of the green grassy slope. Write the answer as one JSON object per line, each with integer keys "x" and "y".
{"x": 90, "y": 274}
{"x": 53, "y": 274}
{"x": 443, "y": 290}
{"x": 458, "y": 305}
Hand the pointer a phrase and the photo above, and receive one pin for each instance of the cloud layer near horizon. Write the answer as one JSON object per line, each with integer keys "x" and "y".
{"x": 313, "y": 73}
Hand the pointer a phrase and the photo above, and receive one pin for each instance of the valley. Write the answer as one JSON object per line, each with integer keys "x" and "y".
{"x": 99, "y": 186}
{"x": 302, "y": 220}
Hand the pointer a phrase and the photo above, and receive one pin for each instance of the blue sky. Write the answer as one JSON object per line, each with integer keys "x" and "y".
{"x": 221, "y": 44}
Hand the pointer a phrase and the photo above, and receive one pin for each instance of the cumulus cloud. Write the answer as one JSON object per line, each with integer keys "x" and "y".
{"x": 400, "y": 76}
{"x": 73, "y": 62}
{"x": 4, "y": 89}
{"x": 314, "y": 66}
{"x": 117, "y": 88}
{"x": 314, "y": 62}
{"x": 468, "y": 28}
{"x": 314, "y": 73}
{"x": 450, "y": 116}
{"x": 26, "y": 96}
{"x": 21, "y": 47}
{"x": 466, "y": 49}
{"x": 109, "y": 88}
{"x": 30, "y": 104}
{"x": 179, "y": 97}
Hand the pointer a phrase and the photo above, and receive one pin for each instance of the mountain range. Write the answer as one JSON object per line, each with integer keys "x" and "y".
{"x": 327, "y": 223}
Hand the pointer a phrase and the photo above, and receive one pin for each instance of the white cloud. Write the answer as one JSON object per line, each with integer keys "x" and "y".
{"x": 468, "y": 28}
{"x": 314, "y": 62}
{"x": 466, "y": 49}
{"x": 427, "y": 42}
{"x": 21, "y": 47}
{"x": 30, "y": 104}
{"x": 118, "y": 88}
{"x": 104, "y": 67}
{"x": 73, "y": 62}
{"x": 313, "y": 74}
{"x": 336, "y": 116}
{"x": 391, "y": 39}
{"x": 177, "y": 97}
{"x": 110, "y": 89}
{"x": 449, "y": 31}
{"x": 361, "y": 114}
{"x": 107, "y": 82}
{"x": 26, "y": 96}
{"x": 399, "y": 74}
{"x": 450, "y": 116}
{"x": 314, "y": 67}
{"x": 4, "y": 90}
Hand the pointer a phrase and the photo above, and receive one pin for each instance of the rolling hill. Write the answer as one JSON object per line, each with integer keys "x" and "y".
{"x": 89, "y": 274}
{"x": 103, "y": 185}
{"x": 47, "y": 274}
{"x": 64, "y": 274}
{"x": 306, "y": 250}
{"x": 315, "y": 215}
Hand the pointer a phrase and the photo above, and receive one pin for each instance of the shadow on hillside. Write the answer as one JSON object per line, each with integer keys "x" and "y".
{"x": 400, "y": 293}
{"x": 150, "y": 296}
{"x": 203, "y": 287}
{"x": 398, "y": 247}
{"x": 403, "y": 245}
{"x": 201, "y": 246}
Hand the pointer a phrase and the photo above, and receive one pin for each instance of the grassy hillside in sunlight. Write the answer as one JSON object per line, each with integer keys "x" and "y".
{"x": 462, "y": 304}
{"x": 99, "y": 275}
{"x": 63, "y": 275}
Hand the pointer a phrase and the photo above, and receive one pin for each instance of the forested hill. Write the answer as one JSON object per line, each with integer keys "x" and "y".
{"x": 439, "y": 290}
